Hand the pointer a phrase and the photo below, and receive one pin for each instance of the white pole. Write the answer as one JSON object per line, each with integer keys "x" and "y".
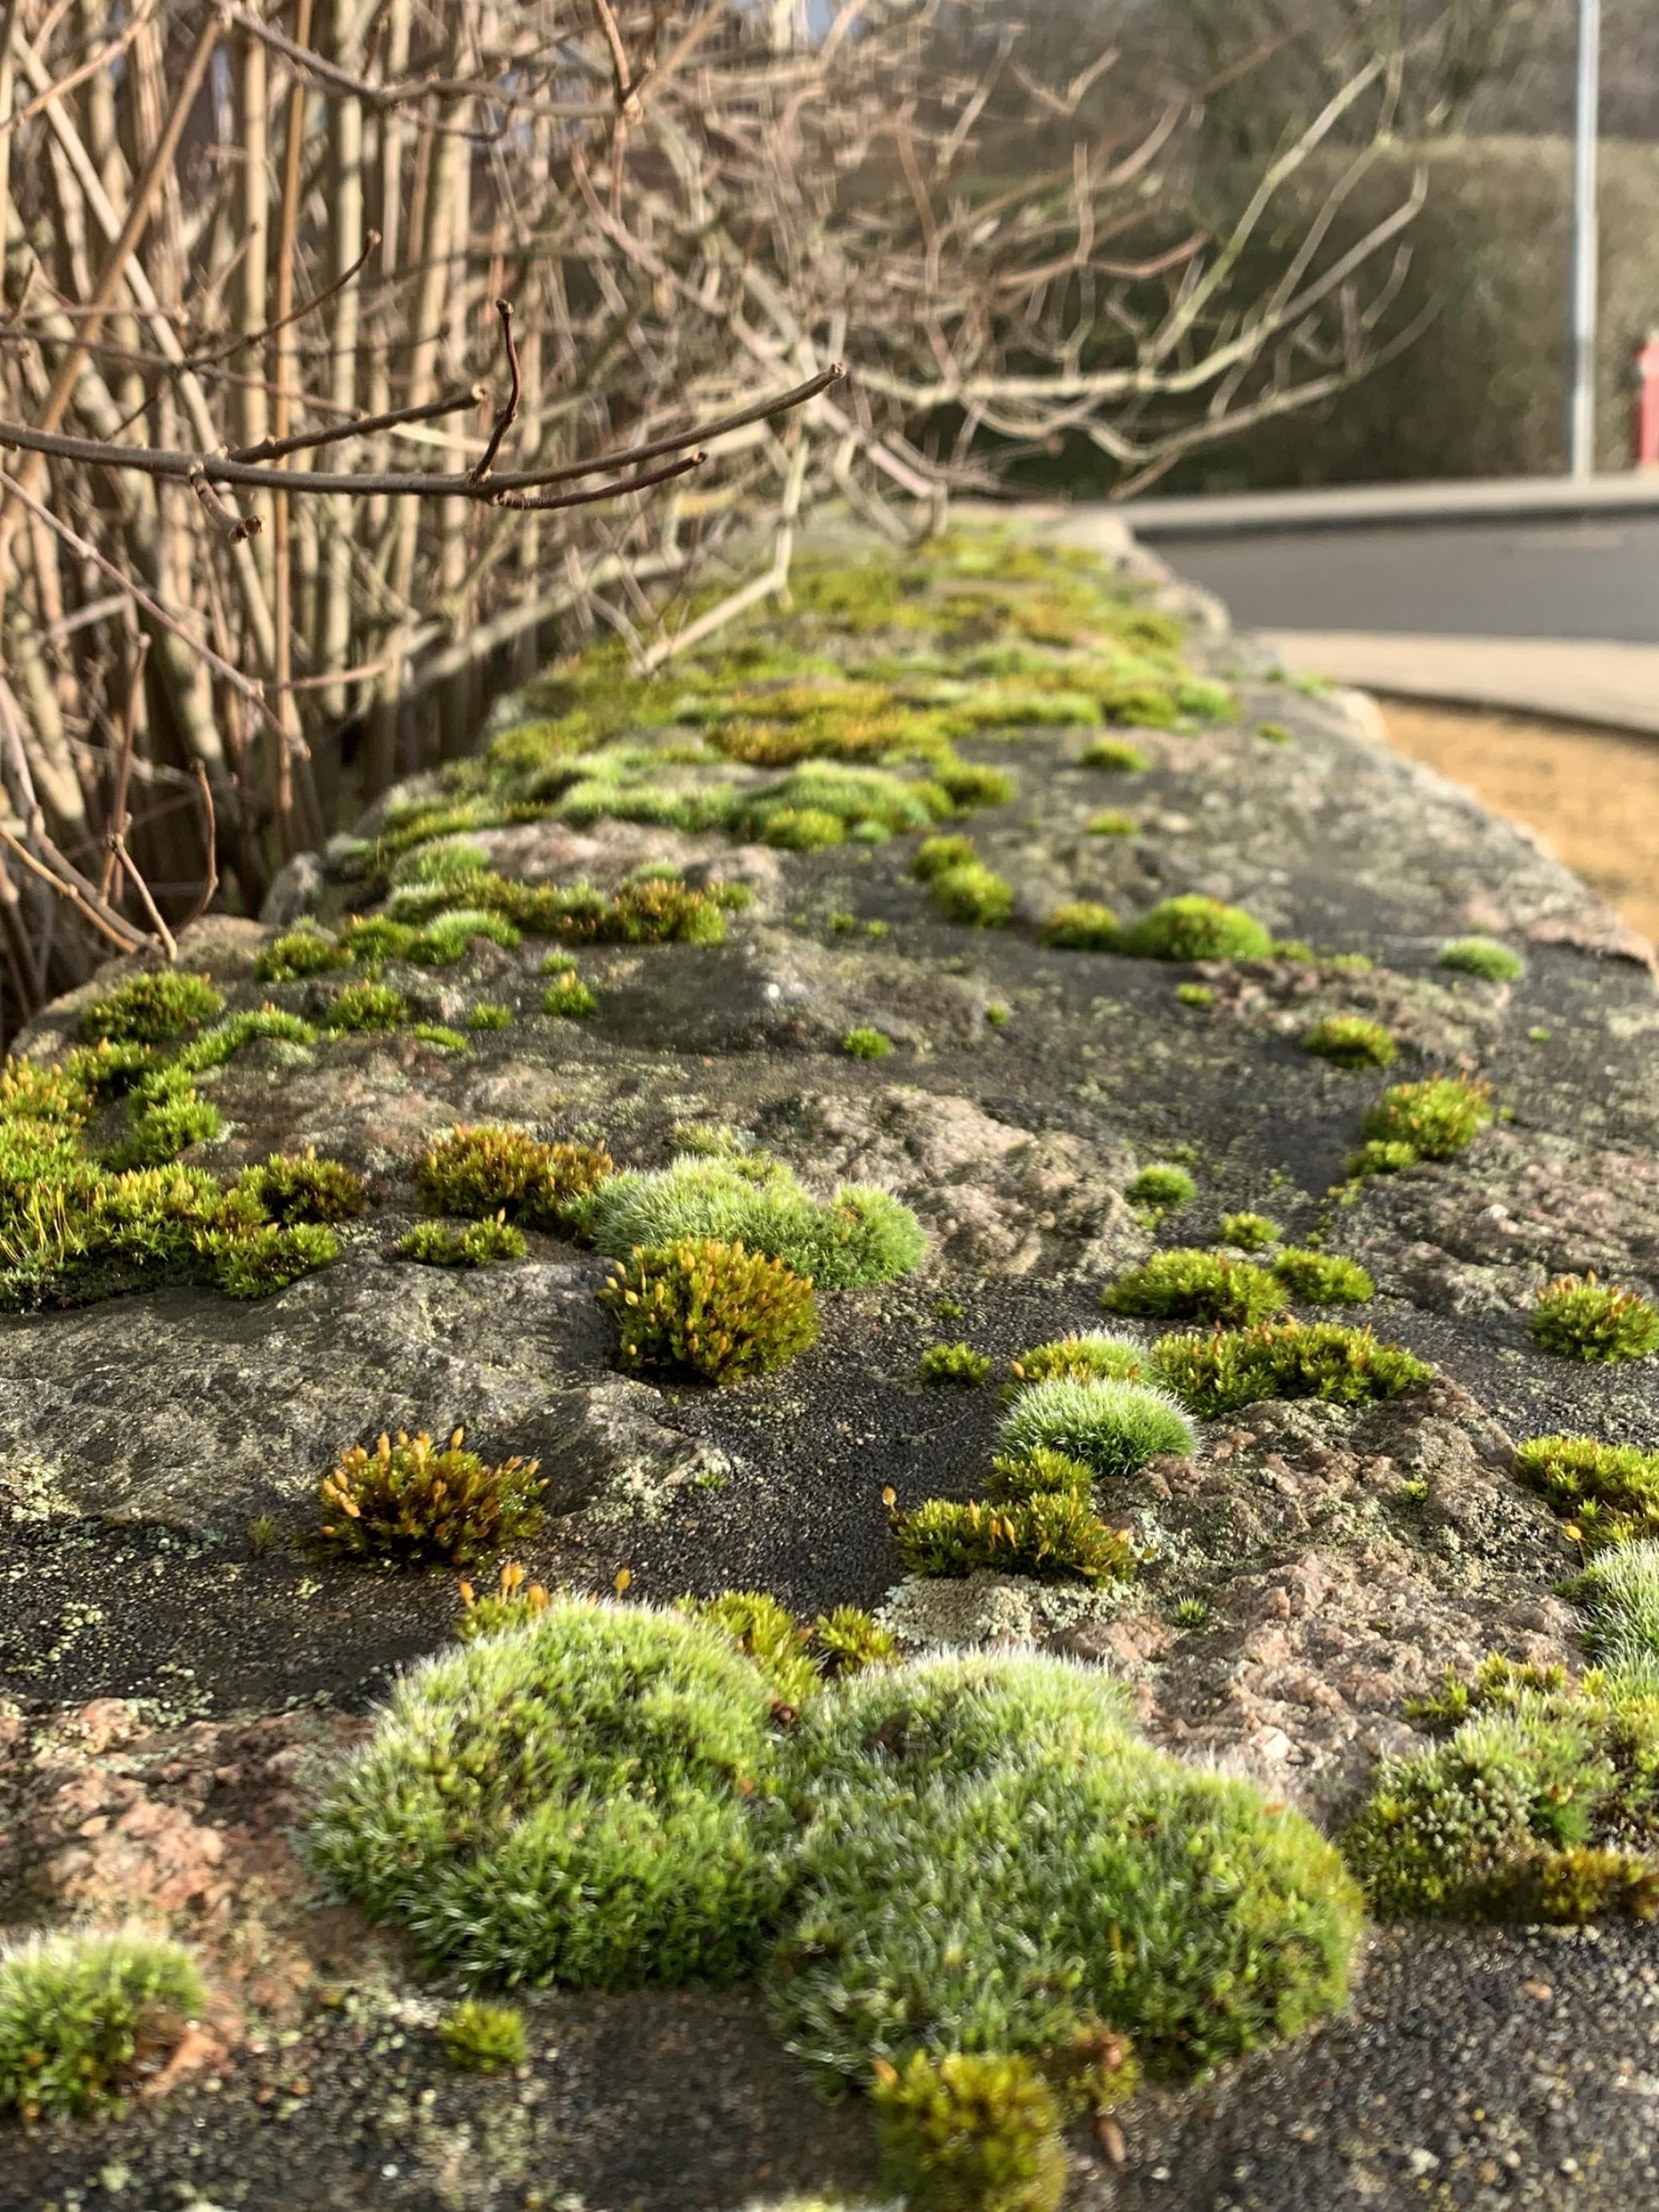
{"x": 1581, "y": 400}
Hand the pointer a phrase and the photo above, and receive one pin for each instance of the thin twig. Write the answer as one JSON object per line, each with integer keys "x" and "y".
{"x": 505, "y": 415}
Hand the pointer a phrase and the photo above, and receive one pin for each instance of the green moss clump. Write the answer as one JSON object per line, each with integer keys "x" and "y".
{"x": 1111, "y": 823}
{"x": 1117, "y": 754}
{"x": 440, "y": 862}
{"x": 1216, "y": 1374}
{"x": 1620, "y": 1593}
{"x": 1194, "y": 928}
{"x": 480, "y": 1244}
{"x": 707, "y": 1309}
{"x": 1248, "y": 1232}
{"x": 1084, "y": 926}
{"x": 1048, "y": 1534}
{"x": 858, "y": 1236}
{"x": 970, "y": 2134}
{"x": 292, "y": 1187}
{"x": 1275, "y": 733}
{"x": 1195, "y": 994}
{"x": 297, "y": 953}
{"x": 1437, "y": 1118}
{"x": 1322, "y": 1279}
{"x": 419, "y": 1504}
{"x": 1162, "y": 1188}
{"x": 257, "y": 1262}
{"x": 159, "y": 1131}
{"x": 1609, "y": 1493}
{"x": 1188, "y": 1285}
{"x": 483, "y": 2038}
{"x": 583, "y": 1800}
{"x": 1091, "y": 1357}
{"x": 1016, "y": 1478}
{"x": 1526, "y": 1811}
{"x": 1582, "y": 1318}
{"x": 489, "y": 1014}
{"x": 975, "y": 1835}
{"x": 796, "y": 1657}
{"x": 970, "y": 893}
{"x": 867, "y": 1044}
{"x": 935, "y": 854}
{"x": 970, "y": 785}
{"x": 948, "y": 1364}
{"x": 1350, "y": 1040}
{"x": 372, "y": 1006}
{"x": 566, "y": 998}
{"x": 1111, "y": 1425}
{"x": 150, "y": 1008}
{"x": 1484, "y": 956}
{"x": 83, "y": 2015}
{"x": 1381, "y": 1156}
{"x": 648, "y": 911}
{"x": 492, "y": 1169}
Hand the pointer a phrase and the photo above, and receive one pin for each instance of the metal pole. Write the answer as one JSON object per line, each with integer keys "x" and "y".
{"x": 1581, "y": 398}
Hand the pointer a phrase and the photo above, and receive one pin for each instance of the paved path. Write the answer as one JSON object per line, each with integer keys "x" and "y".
{"x": 1610, "y": 685}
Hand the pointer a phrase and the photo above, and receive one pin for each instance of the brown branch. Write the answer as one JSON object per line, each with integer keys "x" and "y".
{"x": 117, "y": 826}
{"x": 507, "y": 414}
{"x": 243, "y": 338}
{"x": 359, "y": 426}
{"x": 522, "y": 504}
{"x": 232, "y": 526}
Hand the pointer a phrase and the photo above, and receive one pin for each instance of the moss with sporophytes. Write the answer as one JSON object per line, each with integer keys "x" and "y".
{"x": 292, "y": 1187}
{"x": 1322, "y": 1279}
{"x": 707, "y": 1309}
{"x": 1112, "y": 1425}
{"x": 975, "y": 1833}
{"x": 858, "y": 1236}
{"x": 416, "y": 1503}
{"x": 797, "y": 1657}
{"x": 970, "y": 2134}
{"x": 569, "y": 998}
{"x": 365, "y": 1006}
{"x": 1049, "y": 1534}
{"x": 1579, "y": 1317}
{"x": 586, "y": 1799}
{"x": 1380, "y": 1155}
{"x": 942, "y": 1365}
{"x": 494, "y": 1169}
{"x": 1194, "y": 928}
{"x": 1219, "y": 1372}
{"x": 1081, "y": 926}
{"x": 85, "y": 2015}
{"x": 1350, "y": 1040}
{"x": 1188, "y": 1285}
{"x": 1606, "y": 1494}
{"x": 1481, "y": 956}
{"x": 1017, "y": 1477}
{"x": 480, "y": 1244}
{"x": 1089, "y": 1356}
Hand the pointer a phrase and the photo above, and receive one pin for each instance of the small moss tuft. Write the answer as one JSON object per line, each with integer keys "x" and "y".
{"x": 567, "y": 999}
{"x": 1112, "y": 1425}
{"x": 1350, "y": 1040}
{"x": 710, "y": 1310}
{"x": 1322, "y": 1279}
{"x": 1218, "y": 1373}
{"x": 480, "y": 1244}
{"x": 418, "y": 1503}
{"x": 1109, "y": 822}
{"x": 1608, "y": 1493}
{"x": 1582, "y": 1318}
{"x": 867, "y": 1044}
{"x": 150, "y": 1008}
{"x": 1048, "y": 1533}
{"x": 1116, "y": 754}
{"x": 1248, "y": 1232}
{"x": 293, "y": 1187}
{"x": 483, "y": 2038}
{"x": 1091, "y": 1357}
{"x": 1194, "y": 928}
{"x": 489, "y": 1014}
{"x": 970, "y": 2134}
{"x": 970, "y": 893}
{"x": 1162, "y": 1188}
{"x": 1437, "y": 1118}
{"x": 1195, "y": 994}
{"x": 83, "y": 2016}
{"x": 944, "y": 1364}
{"x": 375, "y": 1006}
{"x": 1484, "y": 956}
{"x": 1188, "y": 1284}
{"x": 494, "y": 1169}
{"x": 298, "y": 953}
{"x": 1084, "y": 926}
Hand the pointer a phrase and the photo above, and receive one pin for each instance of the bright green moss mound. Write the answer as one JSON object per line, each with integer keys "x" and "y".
{"x": 1248, "y": 1232}
{"x": 581, "y": 1800}
{"x": 966, "y": 2134}
{"x": 1541, "y": 1805}
{"x": 79, "y": 2014}
{"x": 1619, "y": 1592}
{"x": 1219, "y": 1372}
{"x": 1322, "y": 1279}
{"x": 699, "y": 1307}
{"x": 946, "y": 1364}
{"x": 858, "y": 1236}
{"x": 1112, "y": 1426}
{"x": 1049, "y": 1534}
{"x": 483, "y": 2038}
{"x": 150, "y": 1008}
{"x": 1436, "y": 1119}
{"x": 1087, "y": 1357}
{"x": 973, "y": 894}
{"x": 1484, "y": 956}
{"x": 1608, "y": 1493}
{"x": 1084, "y": 926}
{"x": 1194, "y": 928}
{"x": 978, "y": 1835}
{"x": 1580, "y": 1318}
{"x": 1162, "y": 1186}
{"x": 867, "y": 1044}
{"x": 1188, "y": 1285}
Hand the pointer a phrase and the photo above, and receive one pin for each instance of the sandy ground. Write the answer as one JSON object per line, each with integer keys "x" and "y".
{"x": 1592, "y": 794}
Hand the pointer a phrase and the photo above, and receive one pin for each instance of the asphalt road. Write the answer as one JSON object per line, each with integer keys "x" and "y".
{"x": 1596, "y": 577}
